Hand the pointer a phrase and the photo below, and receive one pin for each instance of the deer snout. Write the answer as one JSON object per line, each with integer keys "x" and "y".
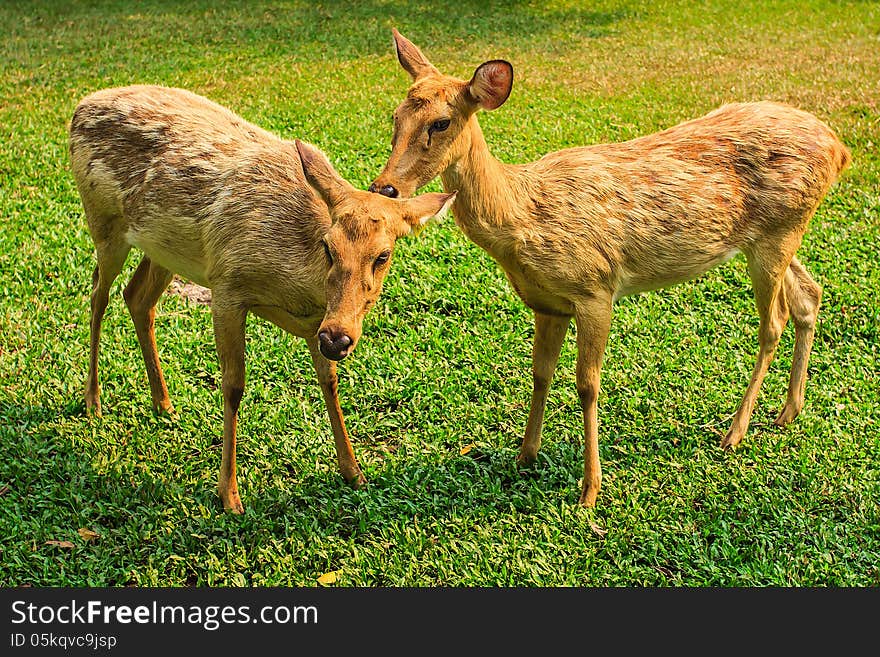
{"x": 386, "y": 190}
{"x": 334, "y": 343}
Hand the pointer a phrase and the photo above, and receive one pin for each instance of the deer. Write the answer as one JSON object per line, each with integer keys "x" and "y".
{"x": 267, "y": 224}
{"x": 584, "y": 226}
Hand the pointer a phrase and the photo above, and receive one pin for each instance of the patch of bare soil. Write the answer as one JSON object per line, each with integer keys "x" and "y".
{"x": 190, "y": 291}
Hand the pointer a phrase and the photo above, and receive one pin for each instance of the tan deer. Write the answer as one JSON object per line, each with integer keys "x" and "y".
{"x": 581, "y": 227}
{"x": 205, "y": 194}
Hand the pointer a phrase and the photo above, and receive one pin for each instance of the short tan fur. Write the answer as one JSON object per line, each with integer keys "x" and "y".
{"x": 266, "y": 223}
{"x": 581, "y": 227}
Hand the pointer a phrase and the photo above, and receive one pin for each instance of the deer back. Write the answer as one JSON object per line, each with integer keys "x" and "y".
{"x": 663, "y": 208}
{"x": 202, "y": 192}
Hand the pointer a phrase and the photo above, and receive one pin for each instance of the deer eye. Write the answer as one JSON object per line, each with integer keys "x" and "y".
{"x": 381, "y": 259}
{"x": 439, "y": 126}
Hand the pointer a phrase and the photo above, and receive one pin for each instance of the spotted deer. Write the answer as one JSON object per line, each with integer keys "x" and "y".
{"x": 582, "y": 227}
{"x": 267, "y": 224}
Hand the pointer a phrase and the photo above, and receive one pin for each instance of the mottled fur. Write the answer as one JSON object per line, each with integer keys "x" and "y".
{"x": 583, "y": 226}
{"x": 207, "y": 195}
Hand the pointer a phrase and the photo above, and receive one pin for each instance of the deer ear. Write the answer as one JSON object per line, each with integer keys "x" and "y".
{"x": 321, "y": 175}
{"x": 491, "y": 84}
{"x": 411, "y": 58}
{"x": 421, "y": 209}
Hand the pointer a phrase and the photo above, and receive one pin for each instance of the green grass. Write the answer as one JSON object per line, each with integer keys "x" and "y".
{"x": 445, "y": 359}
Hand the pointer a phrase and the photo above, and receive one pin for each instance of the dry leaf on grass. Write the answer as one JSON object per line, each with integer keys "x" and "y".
{"x": 329, "y": 578}
{"x": 61, "y": 544}
{"x": 87, "y": 534}
{"x": 597, "y": 530}
{"x": 464, "y": 450}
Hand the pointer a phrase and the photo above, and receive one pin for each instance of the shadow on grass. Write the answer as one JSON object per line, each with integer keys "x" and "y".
{"x": 41, "y": 458}
{"x": 486, "y": 481}
{"x": 50, "y": 469}
{"x": 148, "y": 519}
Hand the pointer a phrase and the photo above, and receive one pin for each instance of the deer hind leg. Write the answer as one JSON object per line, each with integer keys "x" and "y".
{"x": 803, "y": 296}
{"x": 141, "y": 295}
{"x": 767, "y": 269}
{"x": 549, "y": 334}
{"x": 111, "y": 255}
{"x": 346, "y": 460}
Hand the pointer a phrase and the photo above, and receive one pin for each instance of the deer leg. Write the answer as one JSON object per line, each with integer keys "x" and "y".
{"x": 111, "y": 258}
{"x": 550, "y": 332}
{"x": 593, "y": 320}
{"x": 767, "y": 273}
{"x": 229, "y": 335}
{"x": 141, "y": 295}
{"x": 326, "y": 371}
{"x": 803, "y": 296}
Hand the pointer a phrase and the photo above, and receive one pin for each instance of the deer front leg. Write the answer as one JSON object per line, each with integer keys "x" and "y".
{"x": 550, "y": 332}
{"x": 111, "y": 258}
{"x": 326, "y": 371}
{"x": 229, "y": 327}
{"x": 593, "y": 319}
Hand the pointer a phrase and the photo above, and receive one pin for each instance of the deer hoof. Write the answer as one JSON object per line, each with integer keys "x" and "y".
{"x": 93, "y": 401}
{"x": 588, "y": 496}
{"x": 167, "y": 411}
{"x": 731, "y": 440}
{"x": 786, "y": 415}
{"x": 232, "y": 502}
{"x": 236, "y": 508}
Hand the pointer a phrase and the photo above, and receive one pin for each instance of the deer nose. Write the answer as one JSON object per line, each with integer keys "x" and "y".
{"x": 334, "y": 344}
{"x": 387, "y": 190}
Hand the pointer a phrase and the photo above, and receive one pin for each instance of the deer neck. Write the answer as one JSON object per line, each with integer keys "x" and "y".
{"x": 489, "y": 198}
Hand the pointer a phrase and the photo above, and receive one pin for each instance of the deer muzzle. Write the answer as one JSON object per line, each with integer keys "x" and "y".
{"x": 385, "y": 190}
{"x": 335, "y": 343}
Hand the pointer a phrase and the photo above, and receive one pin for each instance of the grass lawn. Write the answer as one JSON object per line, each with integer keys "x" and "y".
{"x": 436, "y": 395}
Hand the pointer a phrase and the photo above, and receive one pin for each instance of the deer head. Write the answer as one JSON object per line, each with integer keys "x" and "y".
{"x": 359, "y": 246}
{"x": 431, "y": 125}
